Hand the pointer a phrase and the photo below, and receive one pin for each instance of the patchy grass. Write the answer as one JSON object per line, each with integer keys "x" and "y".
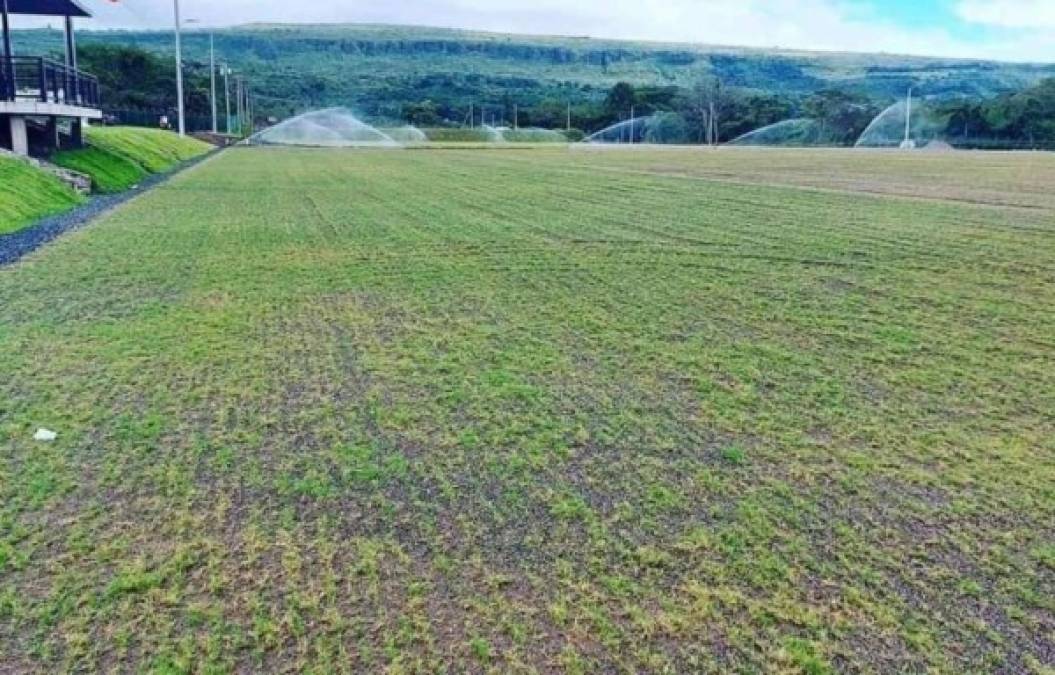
{"x": 26, "y": 194}
{"x": 109, "y": 172}
{"x": 153, "y": 149}
{"x": 538, "y": 411}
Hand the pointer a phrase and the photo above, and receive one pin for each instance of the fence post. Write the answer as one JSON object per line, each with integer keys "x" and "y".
{"x": 43, "y": 76}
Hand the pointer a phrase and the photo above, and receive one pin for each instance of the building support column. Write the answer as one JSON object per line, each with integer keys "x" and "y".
{"x": 19, "y": 135}
{"x": 51, "y": 134}
{"x": 77, "y": 133}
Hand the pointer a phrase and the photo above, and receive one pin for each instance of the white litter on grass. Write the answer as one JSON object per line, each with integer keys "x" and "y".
{"x": 45, "y": 435}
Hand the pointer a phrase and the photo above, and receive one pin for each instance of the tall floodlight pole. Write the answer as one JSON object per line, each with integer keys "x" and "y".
{"x": 240, "y": 98}
{"x": 212, "y": 81}
{"x": 212, "y": 75}
{"x": 227, "y": 96}
{"x": 908, "y": 119}
{"x": 179, "y": 72}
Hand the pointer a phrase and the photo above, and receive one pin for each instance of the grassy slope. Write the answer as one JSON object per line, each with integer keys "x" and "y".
{"x": 119, "y": 157}
{"x": 27, "y": 193}
{"x": 153, "y": 149}
{"x": 577, "y": 412}
{"x": 109, "y": 172}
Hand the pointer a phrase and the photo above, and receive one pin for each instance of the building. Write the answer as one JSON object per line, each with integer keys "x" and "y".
{"x": 44, "y": 103}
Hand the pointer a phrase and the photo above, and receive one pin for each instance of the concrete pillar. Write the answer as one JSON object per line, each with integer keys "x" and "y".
{"x": 77, "y": 133}
{"x": 19, "y": 135}
{"x": 51, "y": 134}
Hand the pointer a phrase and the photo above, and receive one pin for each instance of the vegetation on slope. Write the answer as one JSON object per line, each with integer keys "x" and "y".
{"x": 153, "y": 149}
{"x": 27, "y": 193}
{"x": 539, "y": 412}
{"x": 109, "y": 172}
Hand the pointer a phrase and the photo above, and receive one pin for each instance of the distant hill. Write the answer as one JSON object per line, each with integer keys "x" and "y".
{"x": 380, "y": 69}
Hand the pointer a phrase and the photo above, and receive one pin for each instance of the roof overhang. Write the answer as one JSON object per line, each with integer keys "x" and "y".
{"x": 47, "y": 8}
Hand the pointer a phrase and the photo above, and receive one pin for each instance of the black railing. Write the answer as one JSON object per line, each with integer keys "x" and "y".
{"x": 30, "y": 78}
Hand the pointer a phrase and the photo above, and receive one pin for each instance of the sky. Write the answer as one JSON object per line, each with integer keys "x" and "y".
{"x": 1013, "y": 30}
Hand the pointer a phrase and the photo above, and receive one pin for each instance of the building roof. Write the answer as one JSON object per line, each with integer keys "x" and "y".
{"x": 47, "y": 8}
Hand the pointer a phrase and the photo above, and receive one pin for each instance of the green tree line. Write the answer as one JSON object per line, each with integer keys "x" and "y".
{"x": 707, "y": 110}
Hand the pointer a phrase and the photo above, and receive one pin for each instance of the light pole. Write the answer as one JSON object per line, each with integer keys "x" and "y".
{"x": 212, "y": 81}
{"x": 212, "y": 75}
{"x": 227, "y": 95}
{"x": 908, "y": 120}
{"x": 179, "y": 72}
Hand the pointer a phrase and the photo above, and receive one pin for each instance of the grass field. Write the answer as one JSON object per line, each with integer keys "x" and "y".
{"x": 539, "y": 411}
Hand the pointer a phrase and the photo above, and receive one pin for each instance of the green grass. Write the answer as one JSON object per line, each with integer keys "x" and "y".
{"x": 109, "y": 172}
{"x": 154, "y": 150}
{"x": 26, "y": 194}
{"x": 537, "y": 411}
{"x": 118, "y": 158}
{"x": 454, "y": 135}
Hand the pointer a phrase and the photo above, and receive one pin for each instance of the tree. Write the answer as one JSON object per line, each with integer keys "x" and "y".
{"x": 131, "y": 78}
{"x": 621, "y": 98}
{"x": 707, "y": 103}
{"x": 423, "y": 114}
{"x": 843, "y": 116}
{"x": 965, "y": 120}
{"x": 667, "y": 127}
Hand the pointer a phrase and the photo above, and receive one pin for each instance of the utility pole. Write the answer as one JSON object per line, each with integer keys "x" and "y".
{"x": 179, "y": 73}
{"x": 238, "y": 104}
{"x": 227, "y": 95}
{"x": 212, "y": 74}
{"x": 631, "y": 125}
{"x": 472, "y": 116}
{"x": 212, "y": 81}
{"x": 568, "y": 123}
{"x": 516, "y": 116}
{"x": 908, "y": 120}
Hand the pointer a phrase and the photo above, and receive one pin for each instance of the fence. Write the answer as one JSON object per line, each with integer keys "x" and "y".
{"x": 30, "y": 78}
{"x": 152, "y": 118}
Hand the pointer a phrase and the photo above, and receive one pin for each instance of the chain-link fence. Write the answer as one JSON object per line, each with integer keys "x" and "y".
{"x": 153, "y": 118}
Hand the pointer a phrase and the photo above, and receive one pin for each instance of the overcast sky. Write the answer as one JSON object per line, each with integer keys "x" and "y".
{"x": 1018, "y": 30}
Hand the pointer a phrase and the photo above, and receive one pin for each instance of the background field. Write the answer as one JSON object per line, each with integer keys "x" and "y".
{"x": 539, "y": 410}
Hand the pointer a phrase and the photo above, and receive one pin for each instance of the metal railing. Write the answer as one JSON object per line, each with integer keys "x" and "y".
{"x": 31, "y": 78}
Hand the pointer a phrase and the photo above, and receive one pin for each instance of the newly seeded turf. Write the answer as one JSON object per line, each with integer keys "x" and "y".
{"x": 538, "y": 411}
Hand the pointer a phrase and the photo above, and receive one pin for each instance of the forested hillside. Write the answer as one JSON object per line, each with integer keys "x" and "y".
{"x": 432, "y": 76}
{"x": 378, "y": 67}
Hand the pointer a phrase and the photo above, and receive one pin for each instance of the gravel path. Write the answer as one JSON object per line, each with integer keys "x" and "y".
{"x": 18, "y": 244}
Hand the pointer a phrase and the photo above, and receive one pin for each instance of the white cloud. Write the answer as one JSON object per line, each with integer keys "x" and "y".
{"x": 843, "y": 25}
{"x": 1024, "y": 14}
